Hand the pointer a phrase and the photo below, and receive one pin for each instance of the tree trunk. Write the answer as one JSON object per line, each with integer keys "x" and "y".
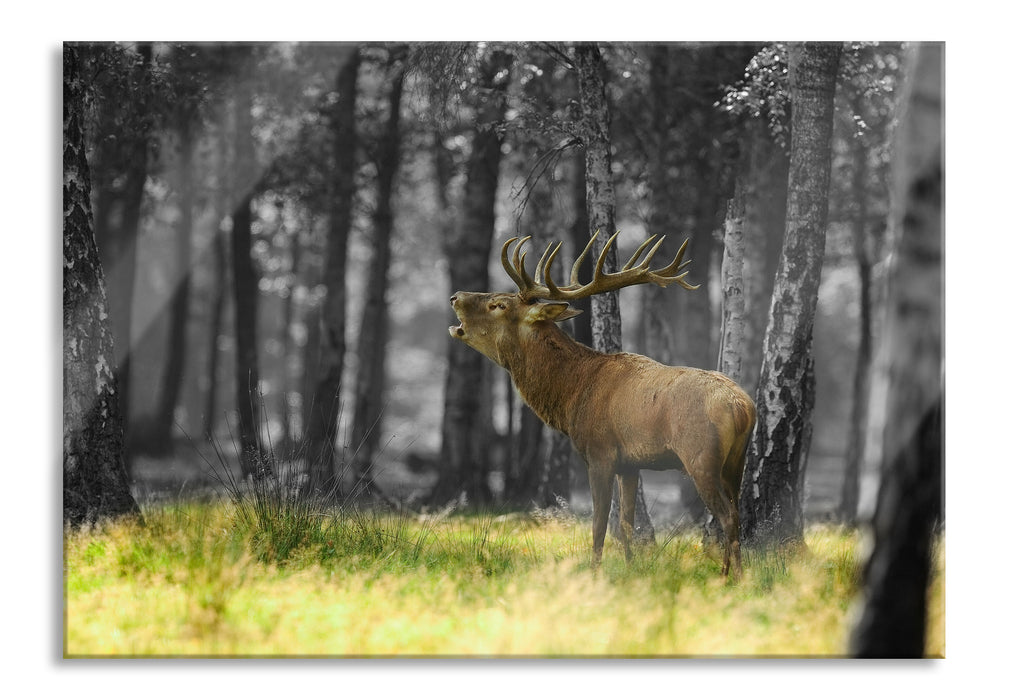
{"x": 599, "y": 193}
{"x": 324, "y": 410}
{"x": 772, "y": 494}
{"x": 219, "y": 257}
{"x": 121, "y": 155}
{"x": 178, "y": 309}
{"x": 766, "y": 195}
{"x": 658, "y": 320}
{"x": 732, "y": 345}
{"x": 526, "y": 467}
{"x": 245, "y": 279}
{"x": 554, "y": 489}
{"x": 686, "y": 170}
{"x": 555, "y": 485}
{"x": 731, "y": 351}
{"x": 606, "y": 333}
{"x": 369, "y": 395}
{"x": 911, "y": 357}
{"x": 848, "y": 507}
{"x": 692, "y": 313}
{"x": 466, "y": 430}
{"x": 220, "y": 261}
{"x": 288, "y": 344}
{"x": 311, "y": 370}
{"x": 95, "y": 483}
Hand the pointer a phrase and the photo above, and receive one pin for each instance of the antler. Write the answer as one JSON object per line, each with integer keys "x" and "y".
{"x": 629, "y": 275}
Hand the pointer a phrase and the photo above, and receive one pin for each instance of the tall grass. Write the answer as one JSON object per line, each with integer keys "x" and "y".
{"x": 280, "y": 510}
{"x": 218, "y": 579}
{"x": 281, "y": 567}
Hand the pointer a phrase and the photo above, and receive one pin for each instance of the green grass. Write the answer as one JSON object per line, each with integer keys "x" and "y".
{"x": 225, "y": 580}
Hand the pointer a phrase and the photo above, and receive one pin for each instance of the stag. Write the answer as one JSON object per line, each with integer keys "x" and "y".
{"x": 622, "y": 412}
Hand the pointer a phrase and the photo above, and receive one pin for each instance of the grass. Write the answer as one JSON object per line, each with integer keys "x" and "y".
{"x": 216, "y": 579}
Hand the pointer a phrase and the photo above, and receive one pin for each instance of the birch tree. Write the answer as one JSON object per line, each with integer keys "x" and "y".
{"x": 95, "y": 484}
{"x": 732, "y": 348}
{"x": 119, "y": 173}
{"x": 773, "y": 485}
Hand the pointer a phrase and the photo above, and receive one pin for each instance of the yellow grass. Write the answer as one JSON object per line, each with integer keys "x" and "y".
{"x": 191, "y": 584}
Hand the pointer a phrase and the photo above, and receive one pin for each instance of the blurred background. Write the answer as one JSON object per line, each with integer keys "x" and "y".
{"x": 325, "y": 200}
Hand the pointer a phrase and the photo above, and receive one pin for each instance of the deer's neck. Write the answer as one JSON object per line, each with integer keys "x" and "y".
{"x": 550, "y": 371}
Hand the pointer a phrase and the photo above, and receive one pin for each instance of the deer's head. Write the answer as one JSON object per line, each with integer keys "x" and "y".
{"x": 496, "y": 324}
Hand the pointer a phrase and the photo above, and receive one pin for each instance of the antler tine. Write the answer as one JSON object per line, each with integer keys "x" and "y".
{"x": 519, "y": 265}
{"x": 651, "y": 254}
{"x": 578, "y": 262}
{"x": 506, "y": 264}
{"x": 537, "y": 276}
{"x": 677, "y": 261}
{"x": 529, "y": 282}
{"x": 546, "y": 270}
{"x": 599, "y": 274}
{"x": 637, "y": 253}
{"x": 672, "y": 268}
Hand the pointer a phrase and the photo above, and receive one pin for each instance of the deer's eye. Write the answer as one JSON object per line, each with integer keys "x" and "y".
{"x": 495, "y": 305}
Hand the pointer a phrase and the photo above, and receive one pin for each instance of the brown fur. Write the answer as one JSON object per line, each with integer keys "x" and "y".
{"x": 623, "y": 412}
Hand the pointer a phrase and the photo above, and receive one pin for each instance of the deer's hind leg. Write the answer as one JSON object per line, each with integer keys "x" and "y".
{"x": 732, "y": 480}
{"x": 732, "y": 469}
{"x": 707, "y": 473}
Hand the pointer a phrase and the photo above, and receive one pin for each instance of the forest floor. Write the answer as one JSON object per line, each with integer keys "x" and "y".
{"x": 196, "y": 471}
{"x": 213, "y": 573}
{"x": 220, "y": 580}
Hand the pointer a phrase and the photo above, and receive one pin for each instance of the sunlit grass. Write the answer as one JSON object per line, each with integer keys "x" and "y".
{"x": 201, "y": 580}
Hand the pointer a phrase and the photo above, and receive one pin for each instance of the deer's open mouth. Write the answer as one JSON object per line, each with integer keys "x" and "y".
{"x": 460, "y": 330}
{"x": 456, "y": 331}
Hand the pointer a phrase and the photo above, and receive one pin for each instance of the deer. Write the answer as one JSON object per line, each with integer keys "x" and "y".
{"x": 623, "y": 412}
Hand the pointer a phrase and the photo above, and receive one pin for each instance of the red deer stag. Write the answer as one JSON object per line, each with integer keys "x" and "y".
{"x": 623, "y": 412}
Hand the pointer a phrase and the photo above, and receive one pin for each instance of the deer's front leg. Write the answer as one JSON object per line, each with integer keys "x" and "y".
{"x": 628, "y": 493}
{"x": 601, "y": 486}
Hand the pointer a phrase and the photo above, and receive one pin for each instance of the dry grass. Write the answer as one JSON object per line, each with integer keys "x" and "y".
{"x": 196, "y": 581}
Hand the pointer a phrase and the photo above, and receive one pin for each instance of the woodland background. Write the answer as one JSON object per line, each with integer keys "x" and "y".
{"x": 446, "y": 144}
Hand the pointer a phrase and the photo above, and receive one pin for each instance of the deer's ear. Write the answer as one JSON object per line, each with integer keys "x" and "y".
{"x": 552, "y": 311}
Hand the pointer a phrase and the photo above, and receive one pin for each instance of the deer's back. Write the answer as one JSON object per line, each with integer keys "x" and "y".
{"x": 640, "y": 411}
